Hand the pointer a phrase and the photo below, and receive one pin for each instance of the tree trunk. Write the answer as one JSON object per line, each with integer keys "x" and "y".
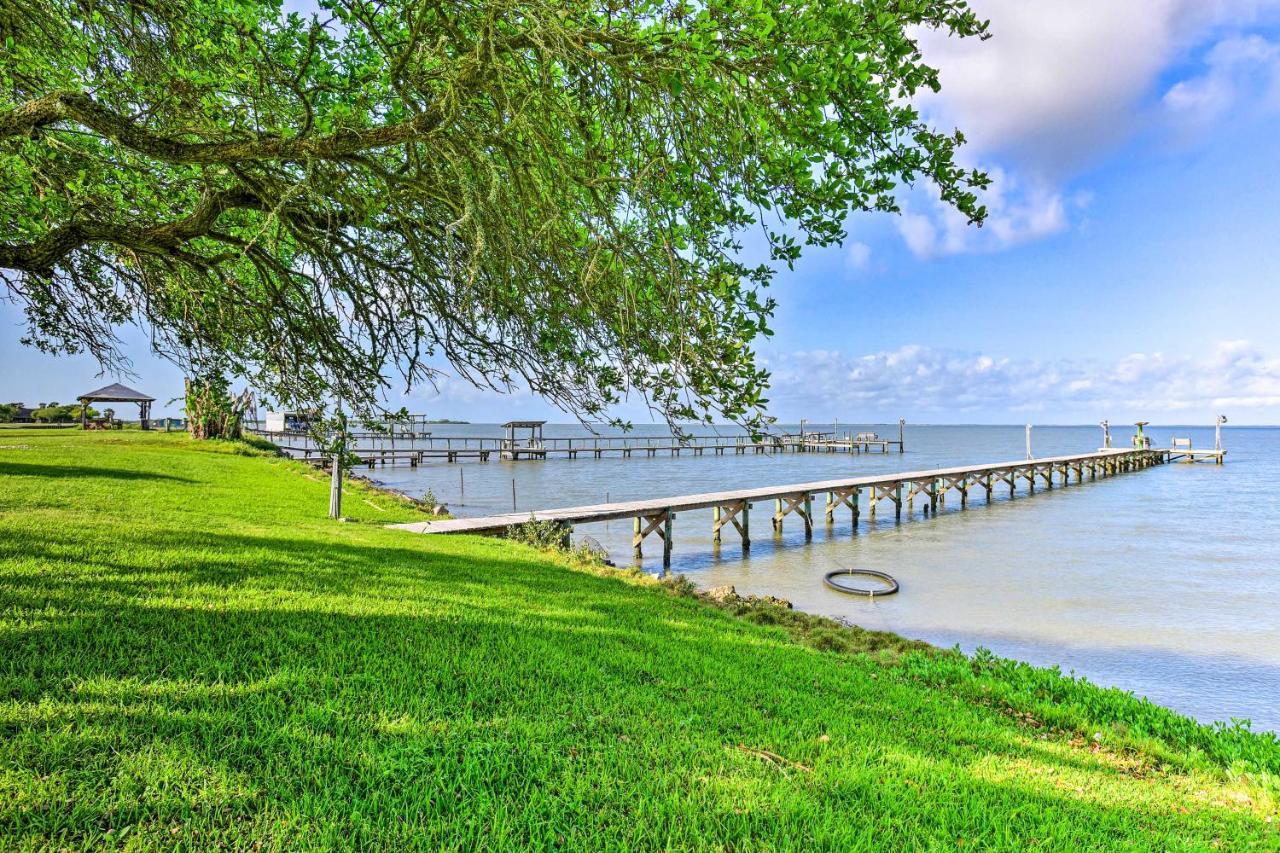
{"x": 211, "y": 413}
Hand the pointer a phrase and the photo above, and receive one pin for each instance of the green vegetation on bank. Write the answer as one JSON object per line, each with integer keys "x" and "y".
{"x": 191, "y": 655}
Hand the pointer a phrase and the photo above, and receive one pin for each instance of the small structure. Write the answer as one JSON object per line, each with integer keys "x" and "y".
{"x": 288, "y": 421}
{"x": 514, "y": 448}
{"x": 24, "y": 415}
{"x": 117, "y": 393}
{"x": 1141, "y": 441}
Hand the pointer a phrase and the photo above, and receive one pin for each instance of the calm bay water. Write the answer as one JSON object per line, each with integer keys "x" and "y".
{"x": 1165, "y": 582}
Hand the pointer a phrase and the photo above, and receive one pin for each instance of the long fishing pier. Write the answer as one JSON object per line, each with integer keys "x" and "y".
{"x": 732, "y": 509}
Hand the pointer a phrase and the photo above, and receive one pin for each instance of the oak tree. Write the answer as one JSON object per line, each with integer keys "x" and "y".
{"x": 585, "y": 198}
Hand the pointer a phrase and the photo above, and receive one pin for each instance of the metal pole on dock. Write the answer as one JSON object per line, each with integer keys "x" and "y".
{"x": 1029, "y": 456}
{"x": 902, "y": 444}
{"x": 1217, "y": 431}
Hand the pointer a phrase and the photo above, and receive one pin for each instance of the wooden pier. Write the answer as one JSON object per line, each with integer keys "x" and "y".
{"x": 373, "y": 449}
{"x": 732, "y": 510}
{"x": 1180, "y": 450}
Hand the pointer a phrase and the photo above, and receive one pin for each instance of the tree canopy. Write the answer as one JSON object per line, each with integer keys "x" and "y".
{"x": 572, "y": 196}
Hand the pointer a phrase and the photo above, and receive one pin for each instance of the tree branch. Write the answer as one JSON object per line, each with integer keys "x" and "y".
{"x": 79, "y": 107}
{"x": 41, "y": 256}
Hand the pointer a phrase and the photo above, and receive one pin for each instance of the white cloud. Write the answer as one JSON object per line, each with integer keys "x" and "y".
{"x": 1058, "y": 86}
{"x": 1235, "y": 376}
{"x": 919, "y": 233}
{"x": 1017, "y": 213}
{"x": 1236, "y": 69}
{"x": 1060, "y": 81}
{"x": 1056, "y": 81}
{"x": 857, "y": 256}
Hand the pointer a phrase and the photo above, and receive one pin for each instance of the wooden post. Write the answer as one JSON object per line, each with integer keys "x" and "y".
{"x": 666, "y": 541}
{"x": 897, "y": 501}
{"x": 857, "y": 494}
{"x": 636, "y": 538}
{"x": 902, "y": 442}
{"x": 715, "y": 527}
{"x": 745, "y": 527}
{"x": 808, "y": 515}
{"x": 335, "y": 481}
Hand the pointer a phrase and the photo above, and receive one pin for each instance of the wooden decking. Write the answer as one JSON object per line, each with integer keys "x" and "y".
{"x": 731, "y": 509}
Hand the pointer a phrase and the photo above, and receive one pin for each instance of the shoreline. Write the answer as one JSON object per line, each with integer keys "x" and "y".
{"x": 1047, "y": 651}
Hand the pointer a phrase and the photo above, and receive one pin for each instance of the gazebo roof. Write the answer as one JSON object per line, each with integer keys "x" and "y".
{"x": 116, "y": 393}
{"x": 522, "y": 424}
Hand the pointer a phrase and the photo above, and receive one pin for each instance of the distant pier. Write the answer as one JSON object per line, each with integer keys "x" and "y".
{"x": 415, "y": 448}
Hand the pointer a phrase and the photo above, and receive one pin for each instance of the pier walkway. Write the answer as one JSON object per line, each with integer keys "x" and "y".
{"x": 732, "y": 509}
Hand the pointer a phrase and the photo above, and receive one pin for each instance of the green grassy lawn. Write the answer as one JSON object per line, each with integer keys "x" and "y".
{"x": 191, "y": 655}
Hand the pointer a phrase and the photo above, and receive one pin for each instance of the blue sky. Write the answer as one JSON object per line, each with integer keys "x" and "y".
{"x": 1128, "y": 268}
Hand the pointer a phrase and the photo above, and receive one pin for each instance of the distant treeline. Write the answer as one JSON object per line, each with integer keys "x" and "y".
{"x": 44, "y": 413}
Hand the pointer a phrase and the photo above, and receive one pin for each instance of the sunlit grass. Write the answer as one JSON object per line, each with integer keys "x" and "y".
{"x": 190, "y": 654}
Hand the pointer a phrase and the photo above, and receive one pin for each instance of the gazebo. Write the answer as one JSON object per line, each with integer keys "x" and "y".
{"x": 532, "y": 446}
{"x": 117, "y": 393}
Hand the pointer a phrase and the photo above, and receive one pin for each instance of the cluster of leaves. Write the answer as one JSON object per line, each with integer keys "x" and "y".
{"x": 211, "y": 410}
{"x": 554, "y": 195}
{"x": 556, "y": 536}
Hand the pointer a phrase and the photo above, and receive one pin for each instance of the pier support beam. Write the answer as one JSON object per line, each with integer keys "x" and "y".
{"x": 646, "y": 524}
{"x": 842, "y": 497}
{"x": 801, "y": 504}
{"x": 888, "y": 491}
{"x": 738, "y": 515}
